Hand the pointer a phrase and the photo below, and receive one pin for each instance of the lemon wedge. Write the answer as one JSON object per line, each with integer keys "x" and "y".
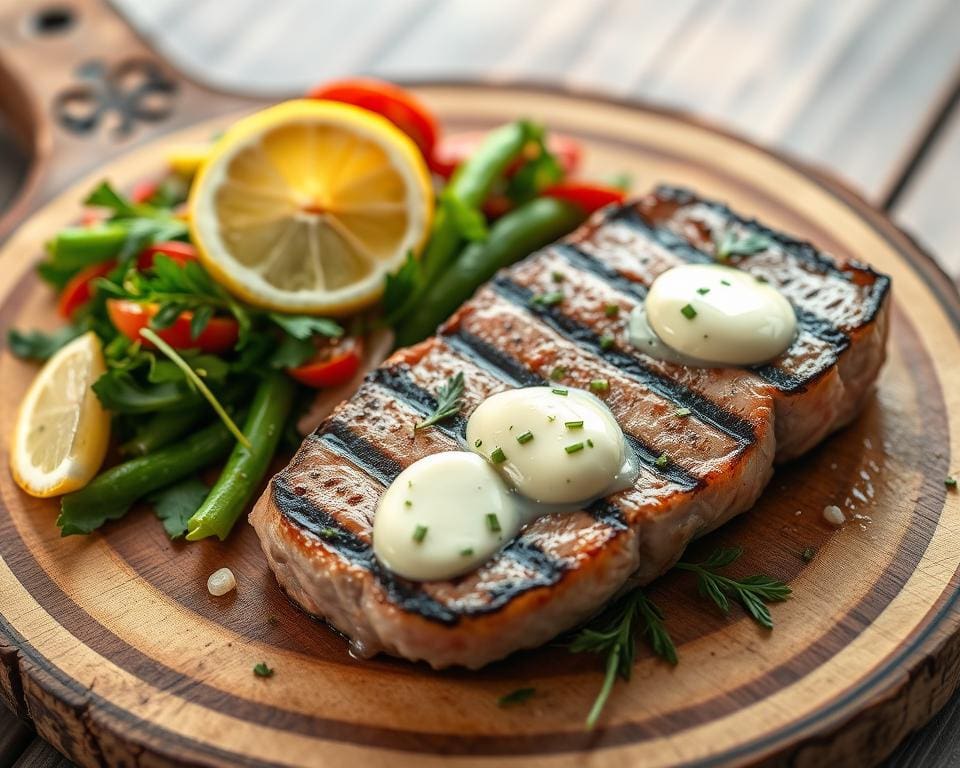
{"x": 62, "y": 431}
{"x": 307, "y": 205}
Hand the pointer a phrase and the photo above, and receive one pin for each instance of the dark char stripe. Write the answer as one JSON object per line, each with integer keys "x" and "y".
{"x": 647, "y": 456}
{"x": 489, "y": 358}
{"x": 584, "y": 261}
{"x": 343, "y": 441}
{"x": 708, "y": 411}
{"x": 397, "y": 380}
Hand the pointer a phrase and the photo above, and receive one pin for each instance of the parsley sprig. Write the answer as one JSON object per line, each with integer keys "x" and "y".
{"x": 449, "y": 401}
{"x": 752, "y": 592}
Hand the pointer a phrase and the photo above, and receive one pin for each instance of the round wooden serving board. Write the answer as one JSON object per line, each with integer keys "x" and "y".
{"x": 114, "y": 648}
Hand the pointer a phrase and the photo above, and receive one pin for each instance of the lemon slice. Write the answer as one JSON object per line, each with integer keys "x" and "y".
{"x": 62, "y": 431}
{"x": 306, "y": 206}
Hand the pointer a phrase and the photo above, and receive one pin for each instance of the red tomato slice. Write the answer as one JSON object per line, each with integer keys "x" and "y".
{"x": 144, "y": 190}
{"x": 179, "y": 252}
{"x": 589, "y": 197}
{"x": 454, "y": 149}
{"x": 78, "y": 291}
{"x": 335, "y": 363}
{"x": 129, "y": 317}
{"x": 400, "y": 107}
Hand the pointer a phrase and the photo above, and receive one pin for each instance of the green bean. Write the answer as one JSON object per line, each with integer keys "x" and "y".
{"x": 246, "y": 467}
{"x": 471, "y": 184}
{"x": 110, "y": 494}
{"x": 162, "y": 429}
{"x": 78, "y": 247}
{"x": 520, "y": 232}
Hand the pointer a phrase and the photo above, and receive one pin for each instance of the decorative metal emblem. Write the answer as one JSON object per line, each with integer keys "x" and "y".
{"x": 131, "y": 91}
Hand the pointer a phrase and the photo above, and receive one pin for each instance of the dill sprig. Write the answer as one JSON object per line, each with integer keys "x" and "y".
{"x": 449, "y": 401}
{"x": 614, "y": 633}
{"x": 729, "y": 243}
{"x": 752, "y": 592}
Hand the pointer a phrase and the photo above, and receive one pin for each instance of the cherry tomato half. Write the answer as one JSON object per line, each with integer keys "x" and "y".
{"x": 456, "y": 148}
{"x": 589, "y": 197}
{"x": 400, "y": 107}
{"x": 177, "y": 251}
{"x": 129, "y": 317}
{"x": 79, "y": 289}
{"x": 143, "y": 190}
{"x": 335, "y": 363}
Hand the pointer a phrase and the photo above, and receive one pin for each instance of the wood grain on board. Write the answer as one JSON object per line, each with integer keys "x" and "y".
{"x": 122, "y": 653}
{"x": 846, "y": 85}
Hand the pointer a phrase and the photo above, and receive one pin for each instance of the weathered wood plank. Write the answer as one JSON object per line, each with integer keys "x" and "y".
{"x": 928, "y": 206}
{"x": 39, "y": 754}
{"x": 15, "y": 735}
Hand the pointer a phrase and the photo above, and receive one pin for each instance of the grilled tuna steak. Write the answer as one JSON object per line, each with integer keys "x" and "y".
{"x": 316, "y": 516}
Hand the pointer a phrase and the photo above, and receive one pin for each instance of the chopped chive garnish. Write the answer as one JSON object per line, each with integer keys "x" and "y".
{"x": 688, "y": 312}
{"x": 478, "y": 443}
{"x": 548, "y": 299}
{"x": 262, "y": 670}
{"x": 466, "y": 552}
{"x": 599, "y": 385}
{"x": 703, "y": 291}
{"x": 611, "y": 310}
{"x": 493, "y": 523}
{"x": 558, "y": 373}
{"x": 761, "y": 279}
{"x": 573, "y": 447}
{"x": 526, "y": 437}
{"x": 561, "y": 392}
{"x": 515, "y": 697}
{"x": 408, "y": 503}
{"x": 606, "y": 341}
{"x": 498, "y": 456}
{"x": 573, "y": 424}
{"x": 662, "y": 461}
{"x": 551, "y": 419}
{"x": 950, "y": 481}
{"x": 681, "y": 412}
{"x": 724, "y": 282}
{"x": 589, "y": 443}
{"x": 419, "y": 533}
{"x": 557, "y": 277}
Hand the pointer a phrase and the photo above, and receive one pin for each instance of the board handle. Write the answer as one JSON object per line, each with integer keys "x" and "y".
{"x": 79, "y": 86}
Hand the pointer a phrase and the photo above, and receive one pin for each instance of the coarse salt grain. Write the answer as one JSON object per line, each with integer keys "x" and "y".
{"x": 834, "y": 515}
{"x": 221, "y": 582}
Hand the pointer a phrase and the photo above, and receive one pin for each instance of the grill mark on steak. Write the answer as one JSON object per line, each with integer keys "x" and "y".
{"x": 588, "y": 339}
{"x": 580, "y": 259}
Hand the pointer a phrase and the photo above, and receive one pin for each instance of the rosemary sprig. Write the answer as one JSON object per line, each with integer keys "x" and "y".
{"x": 614, "y": 634}
{"x": 752, "y": 592}
{"x": 449, "y": 401}
{"x": 728, "y": 244}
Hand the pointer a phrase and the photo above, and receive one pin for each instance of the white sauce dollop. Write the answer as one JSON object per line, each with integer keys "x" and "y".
{"x": 536, "y": 451}
{"x": 434, "y": 521}
{"x": 709, "y": 314}
{"x": 556, "y": 445}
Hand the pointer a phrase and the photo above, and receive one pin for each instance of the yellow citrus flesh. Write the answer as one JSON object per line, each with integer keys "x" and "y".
{"x": 306, "y": 206}
{"x": 62, "y": 431}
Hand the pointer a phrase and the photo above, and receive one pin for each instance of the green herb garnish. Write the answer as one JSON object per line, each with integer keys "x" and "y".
{"x": 599, "y": 385}
{"x": 730, "y": 244}
{"x": 614, "y": 635}
{"x": 466, "y": 552}
{"x": 557, "y": 277}
{"x": 419, "y": 533}
{"x": 752, "y": 592}
{"x": 662, "y": 461}
{"x": 449, "y": 401}
{"x": 703, "y": 291}
{"x": 950, "y": 481}
{"x": 807, "y": 554}
{"x": 548, "y": 299}
{"x": 682, "y": 412}
{"x": 611, "y": 310}
{"x": 688, "y": 311}
{"x": 607, "y": 341}
{"x": 493, "y": 523}
{"x": 262, "y": 670}
{"x": 558, "y": 373}
{"x": 574, "y": 424}
{"x": 515, "y": 697}
{"x": 478, "y": 443}
{"x": 573, "y": 447}
{"x": 526, "y": 437}
{"x": 497, "y": 456}
{"x": 561, "y": 392}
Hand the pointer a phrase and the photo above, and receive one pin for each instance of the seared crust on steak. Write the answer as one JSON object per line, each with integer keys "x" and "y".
{"x": 315, "y": 518}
